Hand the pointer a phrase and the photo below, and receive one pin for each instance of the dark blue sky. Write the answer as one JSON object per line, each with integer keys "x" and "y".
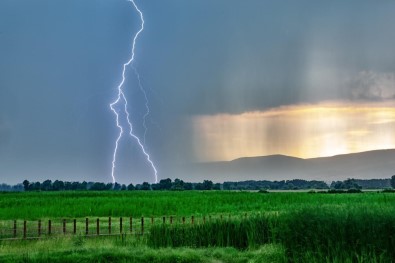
{"x": 60, "y": 63}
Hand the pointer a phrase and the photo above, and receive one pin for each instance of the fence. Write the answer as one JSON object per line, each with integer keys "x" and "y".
{"x": 22, "y": 229}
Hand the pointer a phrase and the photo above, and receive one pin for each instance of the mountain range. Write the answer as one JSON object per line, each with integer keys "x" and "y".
{"x": 364, "y": 165}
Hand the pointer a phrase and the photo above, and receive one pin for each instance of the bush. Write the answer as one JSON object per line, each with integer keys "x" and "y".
{"x": 349, "y": 191}
{"x": 388, "y": 190}
{"x": 354, "y": 191}
{"x": 336, "y": 191}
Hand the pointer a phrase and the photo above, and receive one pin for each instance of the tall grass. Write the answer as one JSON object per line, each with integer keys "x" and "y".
{"x": 308, "y": 235}
{"x": 338, "y": 234}
{"x": 241, "y": 233}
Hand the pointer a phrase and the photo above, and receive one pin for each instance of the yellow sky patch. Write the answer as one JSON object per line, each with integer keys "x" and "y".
{"x": 305, "y": 131}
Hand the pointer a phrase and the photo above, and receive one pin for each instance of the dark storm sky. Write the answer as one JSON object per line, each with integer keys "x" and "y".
{"x": 60, "y": 63}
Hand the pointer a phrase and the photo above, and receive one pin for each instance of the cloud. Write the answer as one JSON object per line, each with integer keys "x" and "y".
{"x": 371, "y": 86}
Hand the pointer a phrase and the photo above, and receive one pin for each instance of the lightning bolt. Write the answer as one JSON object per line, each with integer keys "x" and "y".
{"x": 147, "y": 111}
{"x": 121, "y": 99}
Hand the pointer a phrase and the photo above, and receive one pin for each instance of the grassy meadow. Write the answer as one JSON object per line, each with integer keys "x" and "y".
{"x": 280, "y": 227}
{"x": 40, "y": 205}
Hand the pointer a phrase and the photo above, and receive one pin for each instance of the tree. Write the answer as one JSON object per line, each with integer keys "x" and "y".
{"x": 26, "y": 185}
{"x": 393, "y": 181}
{"x": 131, "y": 187}
{"x": 155, "y": 187}
{"x": 67, "y": 186}
{"x": 199, "y": 186}
{"x": 83, "y": 186}
{"x": 36, "y": 186}
{"x": 165, "y": 184}
{"x": 145, "y": 186}
{"x": 337, "y": 185}
{"x": 58, "y": 185}
{"x": 188, "y": 186}
{"x": 117, "y": 187}
{"x": 207, "y": 185}
{"x": 46, "y": 185}
{"x": 178, "y": 185}
{"x": 99, "y": 187}
{"x": 123, "y": 187}
{"x": 351, "y": 184}
{"x": 217, "y": 186}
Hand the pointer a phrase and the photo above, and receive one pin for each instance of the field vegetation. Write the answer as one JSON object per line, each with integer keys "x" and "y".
{"x": 280, "y": 227}
{"x": 42, "y": 205}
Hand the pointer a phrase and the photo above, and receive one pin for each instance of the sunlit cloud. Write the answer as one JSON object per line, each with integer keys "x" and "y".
{"x": 304, "y": 131}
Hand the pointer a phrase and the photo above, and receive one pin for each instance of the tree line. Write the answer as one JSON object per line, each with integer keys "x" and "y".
{"x": 180, "y": 185}
{"x": 176, "y": 185}
{"x": 294, "y": 184}
{"x": 164, "y": 184}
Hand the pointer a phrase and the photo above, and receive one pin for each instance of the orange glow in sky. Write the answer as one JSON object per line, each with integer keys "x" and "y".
{"x": 304, "y": 131}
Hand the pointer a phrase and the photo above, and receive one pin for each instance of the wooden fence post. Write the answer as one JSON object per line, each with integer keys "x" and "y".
{"x": 164, "y": 220}
{"x": 142, "y": 225}
{"x": 171, "y": 220}
{"x": 183, "y": 219}
{"x": 64, "y": 226}
{"x": 86, "y": 226}
{"x": 14, "y": 228}
{"x": 75, "y": 226}
{"x": 49, "y": 227}
{"x": 109, "y": 225}
{"x": 152, "y": 220}
{"x": 98, "y": 226}
{"x": 24, "y": 229}
{"x": 192, "y": 220}
{"x": 131, "y": 225}
{"x": 204, "y": 219}
{"x": 120, "y": 225}
{"x": 39, "y": 228}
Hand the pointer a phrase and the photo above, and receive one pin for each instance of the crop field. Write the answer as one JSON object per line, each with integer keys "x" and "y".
{"x": 206, "y": 226}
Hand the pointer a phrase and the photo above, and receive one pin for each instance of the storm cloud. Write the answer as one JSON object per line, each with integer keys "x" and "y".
{"x": 61, "y": 61}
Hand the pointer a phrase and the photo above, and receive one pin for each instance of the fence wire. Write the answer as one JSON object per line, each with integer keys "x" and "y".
{"x": 99, "y": 226}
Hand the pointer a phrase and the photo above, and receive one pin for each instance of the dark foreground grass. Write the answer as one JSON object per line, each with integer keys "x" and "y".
{"x": 307, "y": 235}
{"x": 340, "y": 233}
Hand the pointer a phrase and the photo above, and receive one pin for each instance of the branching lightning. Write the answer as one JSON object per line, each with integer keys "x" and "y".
{"x": 121, "y": 98}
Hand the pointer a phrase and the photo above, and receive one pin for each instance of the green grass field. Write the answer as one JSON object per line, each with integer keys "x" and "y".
{"x": 280, "y": 227}
{"x": 40, "y": 205}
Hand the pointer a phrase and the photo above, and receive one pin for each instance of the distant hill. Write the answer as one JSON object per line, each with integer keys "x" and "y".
{"x": 364, "y": 165}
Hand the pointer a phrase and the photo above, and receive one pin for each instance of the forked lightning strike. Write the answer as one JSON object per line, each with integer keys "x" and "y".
{"x": 121, "y": 98}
